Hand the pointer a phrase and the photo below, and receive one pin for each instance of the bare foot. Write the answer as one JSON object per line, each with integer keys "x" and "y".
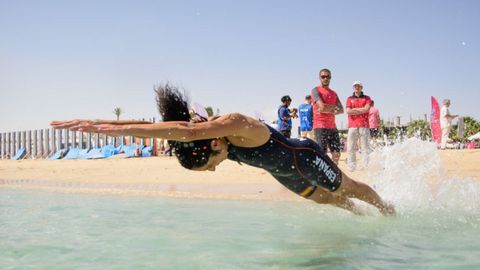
{"x": 388, "y": 209}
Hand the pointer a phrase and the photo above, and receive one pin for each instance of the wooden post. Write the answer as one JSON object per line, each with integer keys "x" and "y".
{"x": 67, "y": 139}
{"x": 7, "y": 145}
{"x": 29, "y": 143}
{"x": 47, "y": 143}
{"x": 35, "y": 144}
{"x": 12, "y": 151}
{"x": 97, "y": 140}
{"x": 14, "y": 141}
{"x": 4, "y": 143}
{"x": 18, "y": 138}
{"x": 54, "y": 141}
{"x": 89, "y": 140}
{"x": 23, "y": 139}
{"x": 80, "y": 140}
{"x": 13, "y": 145}
{"x": 59, "y": 139}
{"x": 74, "y": 139}
{"x": 40, "y": 143}
{"x": 105, "y": 140}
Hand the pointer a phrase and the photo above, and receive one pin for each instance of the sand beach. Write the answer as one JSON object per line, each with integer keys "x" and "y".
{"x": 163, "y": 176}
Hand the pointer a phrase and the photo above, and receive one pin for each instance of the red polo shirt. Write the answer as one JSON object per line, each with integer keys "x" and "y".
{"x": 328, "y": 96}
{"x": 358, "y": 120}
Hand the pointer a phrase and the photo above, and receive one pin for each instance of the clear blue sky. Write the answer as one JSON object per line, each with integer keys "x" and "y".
{"x": 80, "y": 59}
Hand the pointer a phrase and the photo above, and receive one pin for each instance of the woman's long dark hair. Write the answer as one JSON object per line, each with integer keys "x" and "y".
{"x": 173, "y": 106}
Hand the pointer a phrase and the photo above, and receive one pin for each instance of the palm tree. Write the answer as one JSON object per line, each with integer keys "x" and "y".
{"x": 117, "y": 111}
{"x": 419, "y": 127}
{"x": 472, "y": 126}
{"x": 209, "y": 111}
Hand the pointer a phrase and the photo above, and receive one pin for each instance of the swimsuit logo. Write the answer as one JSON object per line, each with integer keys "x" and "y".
{"x": 323, "y": 166}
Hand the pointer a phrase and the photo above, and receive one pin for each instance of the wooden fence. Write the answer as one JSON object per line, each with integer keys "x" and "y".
{"x": 43, "y": 143}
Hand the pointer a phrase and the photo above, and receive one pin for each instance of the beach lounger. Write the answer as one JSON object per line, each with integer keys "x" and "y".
{"x": 109, "y": 150}
{"x": 147, "y": 151}
{"x": 21, "y": 153}
{"x": 73, "y": 153}
{"x": 104, "y": 152}
{"x": 133, "y": 150}
{"x": 95, "y": 153}
{"x": 59, "y": 154}
{"x": 83, "y": 153}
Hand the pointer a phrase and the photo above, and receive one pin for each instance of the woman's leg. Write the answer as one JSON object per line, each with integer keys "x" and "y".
{"x": 353, "y": 189}
{"x": 326, "y": 197}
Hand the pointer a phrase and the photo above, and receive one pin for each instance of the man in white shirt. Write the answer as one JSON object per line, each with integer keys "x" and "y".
{"x": 446, "y": 122}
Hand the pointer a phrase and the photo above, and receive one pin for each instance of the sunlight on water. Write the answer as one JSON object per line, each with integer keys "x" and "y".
{"x": 437, "y": 227}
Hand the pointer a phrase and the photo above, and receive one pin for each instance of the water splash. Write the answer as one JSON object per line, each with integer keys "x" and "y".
{"x": 410, "y": 175}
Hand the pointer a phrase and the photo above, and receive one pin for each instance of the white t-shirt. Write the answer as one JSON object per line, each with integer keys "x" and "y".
{"x": 444, "y": 120}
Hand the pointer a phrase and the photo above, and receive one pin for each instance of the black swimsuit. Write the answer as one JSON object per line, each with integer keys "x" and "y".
{"x": 301, "y": 165}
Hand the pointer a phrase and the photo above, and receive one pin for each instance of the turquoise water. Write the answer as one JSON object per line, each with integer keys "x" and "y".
{"x": 42, "y": 230}
{"x": 437, "y": 227}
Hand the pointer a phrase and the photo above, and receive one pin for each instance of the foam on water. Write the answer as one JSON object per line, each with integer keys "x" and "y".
{"x": 410, "y": 175}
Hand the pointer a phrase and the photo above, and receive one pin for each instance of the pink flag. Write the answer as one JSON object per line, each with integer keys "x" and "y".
{"x": 435, "y": 122}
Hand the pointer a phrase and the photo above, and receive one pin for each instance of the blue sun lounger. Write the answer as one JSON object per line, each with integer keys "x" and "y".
{"x": 59, "y": 154}
{"x": 73, "y": 153}
{"x": 147, "y": 151}
{"x": 133, "y": 150}
{"x": 83, "y": 153}
{"x": 104, "y": 152}
{"x": 21, "y": 153}
{"x": 95, "y": 153}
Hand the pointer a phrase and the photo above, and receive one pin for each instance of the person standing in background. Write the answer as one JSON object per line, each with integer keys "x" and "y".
{"x": 373, "y": 119}
{"x": 446, "y": 122}
{"x": 306, "y": 118}
{"x": 358, "y": 106}
{"x": 285, "y": 115}
{"x": 326, "y": 105}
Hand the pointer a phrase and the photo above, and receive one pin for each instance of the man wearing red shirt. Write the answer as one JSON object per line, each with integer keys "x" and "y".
{"x": 325, "y": 106}
{"x": 357, "y": 106}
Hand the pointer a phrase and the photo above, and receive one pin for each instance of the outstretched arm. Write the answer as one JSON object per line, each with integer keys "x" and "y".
{"x": 70, "y": 124}
{"x": 239, "y": 129}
